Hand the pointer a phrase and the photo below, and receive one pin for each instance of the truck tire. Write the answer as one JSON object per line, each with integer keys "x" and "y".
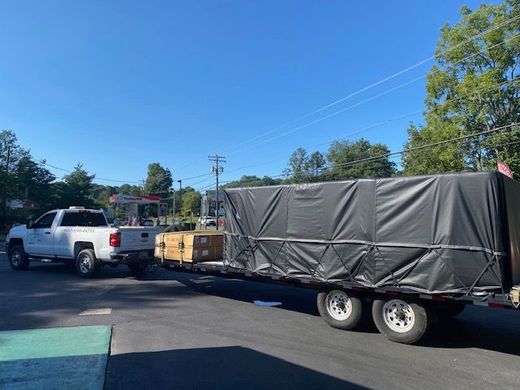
{"x": 86, "y": 263}
{"x": 18, "y": 259}
{"x": 339, "y": 309}
{"x": 401, "y": 320}
{"x": 137, "y": 268}
{"x": 445, "y": 311}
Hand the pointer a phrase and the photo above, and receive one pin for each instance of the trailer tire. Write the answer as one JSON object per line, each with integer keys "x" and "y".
{"x": 446, "y": 311}
{"x": 86, "y": 265}
{"x": 401, "y": 321}
{"x": 18, "y": 259}
{"x": 137, "y": 268}
{"x": 339, "y": 309}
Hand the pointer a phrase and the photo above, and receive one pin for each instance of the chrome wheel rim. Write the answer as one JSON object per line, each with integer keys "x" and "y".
{"x": 398, "y": 316}
{"x": 16, "y": 258}
{"x": 339, "y": 305}
{"x": 84, "y": 264}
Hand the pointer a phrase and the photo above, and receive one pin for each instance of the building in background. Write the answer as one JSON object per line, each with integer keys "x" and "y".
{"x": 210, "y": 203}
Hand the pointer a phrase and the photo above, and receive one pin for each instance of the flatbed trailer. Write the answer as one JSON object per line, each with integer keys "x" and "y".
{"x": 438, "y": 306}
{"x": 409, "y": 251}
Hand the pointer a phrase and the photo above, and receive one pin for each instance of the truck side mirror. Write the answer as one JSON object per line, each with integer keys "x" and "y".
{"x": 29, "y": 224}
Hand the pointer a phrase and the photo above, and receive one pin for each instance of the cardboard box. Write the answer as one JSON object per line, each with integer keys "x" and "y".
{"x": 190, "y": 246}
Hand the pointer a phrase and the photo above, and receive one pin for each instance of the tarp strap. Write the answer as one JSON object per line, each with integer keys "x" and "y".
{"x": 371, "y": 243}
{"x": 489, "y": 263}
{"x": 342, "y": 262}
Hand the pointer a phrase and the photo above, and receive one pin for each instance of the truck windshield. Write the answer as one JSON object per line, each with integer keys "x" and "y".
{"x": 84, "y": 219}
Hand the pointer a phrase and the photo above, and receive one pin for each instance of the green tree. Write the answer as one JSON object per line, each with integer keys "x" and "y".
{"x": 191, "y": 201}
{"x": 101, "y": 194}
{"x": 343, "y": 157}
{"x": 129, "y": 189}
{"x": 33, "y": 181}
{"x": 20, "y": 177}
{"x": 76, "y": 189}
{"x": 315, "y": 165}
{"x": 252, "y": 181}
{"x": 296, "y": 171}
{"x": 159, "y": 180}
{"x": 10, "y": 151}
{"x": 474, "y": 87}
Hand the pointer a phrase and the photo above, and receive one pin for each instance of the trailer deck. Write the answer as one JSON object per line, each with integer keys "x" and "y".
{"x": 217, "y": 268}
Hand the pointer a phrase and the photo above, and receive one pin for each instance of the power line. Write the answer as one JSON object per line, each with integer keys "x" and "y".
{"x": 382, "y": 81}
{"x": 44, "y": 163}
{"x": 372, "y": 126}
{"x": 408, "y": 150}
{"x": 367, "y": 100}
{"x": 355, "y": 132}
{"x": 417, "y": 148}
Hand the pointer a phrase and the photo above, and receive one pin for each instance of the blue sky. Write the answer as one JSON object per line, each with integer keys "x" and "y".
{"x": 120, "y": 84}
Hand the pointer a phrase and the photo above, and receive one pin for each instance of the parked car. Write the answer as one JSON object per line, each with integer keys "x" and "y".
{"x": 207, "y": 221}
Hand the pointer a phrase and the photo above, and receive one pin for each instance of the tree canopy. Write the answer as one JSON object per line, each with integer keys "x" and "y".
{"x": 474, "y": 88}
{"x": 159, "y": 180}
{"x": 252, "y": 181}
{"x": 344, "y": 158}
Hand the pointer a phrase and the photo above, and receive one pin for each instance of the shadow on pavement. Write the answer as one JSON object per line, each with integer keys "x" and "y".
{"x": 477, "y": 327}
{"x": 214, "y": 368}
{"x": 49, "y": 294}
{"x": 296, "y": 299}
{"x": 37, "y": 297}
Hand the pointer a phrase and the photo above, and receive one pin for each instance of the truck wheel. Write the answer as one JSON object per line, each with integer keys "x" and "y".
{"x": 446, "y": 311}
{"x": 86, "y": 263}
{"x": 339, "y": 309}
{"x": 18, "y": 259}
{"x": 401, "y": 321}
{"x": 137, "y": 268}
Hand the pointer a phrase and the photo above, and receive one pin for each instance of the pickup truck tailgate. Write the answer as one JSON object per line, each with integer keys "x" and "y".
{"x": 138, "y": 238}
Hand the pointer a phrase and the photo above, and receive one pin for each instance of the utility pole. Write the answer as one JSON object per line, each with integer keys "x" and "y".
{"x": 180, "y": 195}
{"x": 173, "y": 205}
{"x": 217, "y": 169}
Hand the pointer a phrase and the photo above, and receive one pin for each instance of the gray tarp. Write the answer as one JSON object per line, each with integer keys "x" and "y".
{"x": 446, "y": 233}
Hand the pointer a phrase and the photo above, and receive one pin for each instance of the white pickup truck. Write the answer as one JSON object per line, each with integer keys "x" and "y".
{"x": 81, "y": 236}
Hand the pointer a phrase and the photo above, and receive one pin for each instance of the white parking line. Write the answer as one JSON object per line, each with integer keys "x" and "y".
{"x": 96, "y": 312}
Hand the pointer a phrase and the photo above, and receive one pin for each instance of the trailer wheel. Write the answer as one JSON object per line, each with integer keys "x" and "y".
{"x": 86, "y": 263}
{"x": 18, "y": 259}
{"x": 339, "y": 309}
{"x": 446, "y": 311}
{"x": 402, "y": 321}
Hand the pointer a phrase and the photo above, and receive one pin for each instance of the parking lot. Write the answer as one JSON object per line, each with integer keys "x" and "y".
{"x": 178, "y": 330}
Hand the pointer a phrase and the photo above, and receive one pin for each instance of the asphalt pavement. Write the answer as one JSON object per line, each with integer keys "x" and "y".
{"x": 185, "y": 331}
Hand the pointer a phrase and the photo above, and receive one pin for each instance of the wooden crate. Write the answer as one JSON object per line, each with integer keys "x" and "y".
{"x": 190, "y": 254}
{"x": 195, "y": 239}
{"x": 190, "y": 246}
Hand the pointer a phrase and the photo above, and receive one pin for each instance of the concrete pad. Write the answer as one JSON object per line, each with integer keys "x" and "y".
{"x": 56, "y": 358}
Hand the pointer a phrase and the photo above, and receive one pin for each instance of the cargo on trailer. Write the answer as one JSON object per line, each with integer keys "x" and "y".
{"x": 189, "y": 246}
{"x": 455, "y": 233}
{"x": 408, "y": 251}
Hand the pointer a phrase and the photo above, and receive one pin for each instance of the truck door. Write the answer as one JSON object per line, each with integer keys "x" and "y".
{"x": 40, "y": 240}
